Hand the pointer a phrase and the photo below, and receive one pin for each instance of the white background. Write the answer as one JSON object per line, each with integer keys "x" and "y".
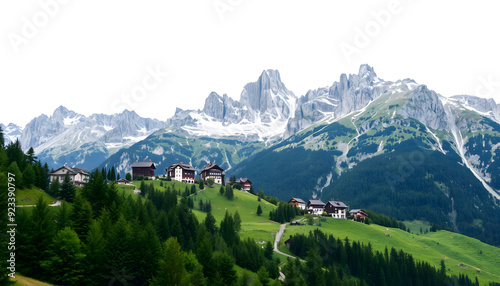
{"x": 88, "y": 54}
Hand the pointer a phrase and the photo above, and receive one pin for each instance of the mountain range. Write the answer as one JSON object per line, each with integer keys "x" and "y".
{"x": 395, "y": 147}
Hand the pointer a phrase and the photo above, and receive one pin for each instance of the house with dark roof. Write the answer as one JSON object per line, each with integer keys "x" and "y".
{"x": 358, "y": 214}
{"x": 245, "y": 183}
{"x": 122, "y": 182}
{"x": 145, "y": 169}
{"x": 181, "y": 172}
{"x": 336, "y": 209}
{"x": 315, "y": 207}
{"x": 298, "y": 202}
{"x": 212, "y": 171}
{"x": 77, "y": 176}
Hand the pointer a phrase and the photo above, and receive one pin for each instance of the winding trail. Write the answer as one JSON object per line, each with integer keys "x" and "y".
{"x": 276, "y": 243}
{"x": 56, "y": 204}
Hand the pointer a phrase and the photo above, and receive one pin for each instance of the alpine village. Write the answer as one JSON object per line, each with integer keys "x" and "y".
{"x": 183, "y": 226}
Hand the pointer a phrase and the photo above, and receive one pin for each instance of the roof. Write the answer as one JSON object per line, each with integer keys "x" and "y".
{"x": 123, "y": 180}
{"x": 357, "y": 211}
{"x": 337, "y": 204}
{"x": 242, "y": 180}
{"x": 183, "y": 166}
{"x": 72, "y": 171}
{"x": 299, "y": 200}
{"x": 143, "y": 165}
{"x": 316, "y": 202}
{"x": 211, "y": 166}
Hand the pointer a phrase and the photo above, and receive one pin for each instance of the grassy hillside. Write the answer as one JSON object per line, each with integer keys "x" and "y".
{"x": 259, "y": 228}
{"x": 460, "y": 253}
{"x": 30, "y": 196}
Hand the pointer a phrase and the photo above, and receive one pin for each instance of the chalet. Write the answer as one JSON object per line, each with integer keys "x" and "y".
{"x": 181, "y": 172}
{"x": 245, "y": 183}
{"x": 145, "y": 169}
{"x": 336, "y": 209}
{"x": 315, "y": 207}
{"x": 288, "y": 242}
{"x": 358, "y": 213}
{"x": 212, "y": 171}
{"x": 298, "y": 202}
{"x": 122, "y": 182}
{"x": 77, "y": 176}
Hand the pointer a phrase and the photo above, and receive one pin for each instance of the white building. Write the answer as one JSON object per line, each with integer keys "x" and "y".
{"x": 77, "y": 176}
{"x": 315, "y": 207}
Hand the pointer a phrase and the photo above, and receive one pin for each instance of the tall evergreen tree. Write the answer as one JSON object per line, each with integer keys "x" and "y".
{"x": 225, "y": 268}
{"x": 29, "y": 176}
{"x": 95, "y": 251}
{"x": 65, "y": 257}
{"x": 36, "y": 232}
{"x": 113, "y": 174}
{"x": 210, "y": 223}
{"x": 221, "y": 190}
{"x": 30, "y": 156}
{"x": 171, "y": 269}
{"x": 259, "y": 210}
{"x": 67, "y": 191}
{"x": 228, "y": 193}
{"x": 14, "y": 169}
{"x": 55, "y": 188}
{"x": 63, "y": 216}
{"x": 237, "y": 221}
{"x": 227, "y": 229}
{"x": 81, "y": 216}
{"x": 2, "y": 139}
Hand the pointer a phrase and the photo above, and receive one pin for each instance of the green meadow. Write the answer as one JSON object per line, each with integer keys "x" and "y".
{"x": 461, "y": 254}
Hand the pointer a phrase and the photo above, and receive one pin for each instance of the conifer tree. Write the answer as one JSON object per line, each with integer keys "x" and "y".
{"x": 95, "y": 251}
{"x": 209, "y": 223}
{"x": 65, "y": 257}
{"x": 228, "y": 193}
{"x": 225, "y": 268}
{"x": 113, "y": 174}
{"x": 29, "y": 176}
{"x": 4, "y": 160}
{"x": 81, "y": 216}
{"x": 221, "y": 190}
{"x": 14, "y": 169}
{"x": 63, "y": 216}
{"x": 237, "y": 221}
{"x": 171, "y": 269}
{"x": 67, "y": 191}
{"x": 259, "y": 210}
{"x": 30, "y": 156}
{"x": 2, "y": 139}
{"x": 55, "y": 188}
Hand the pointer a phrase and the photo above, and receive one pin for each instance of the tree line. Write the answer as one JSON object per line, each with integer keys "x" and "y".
{"x": 330, "y": 261}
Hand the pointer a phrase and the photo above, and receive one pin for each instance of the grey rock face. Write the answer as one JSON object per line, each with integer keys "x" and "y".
{"x": 350, "y": 93}
{"x": 70, "y": 129}
{"x": 480, "y": 104}
{"x": 425, "y": 106}
{"x": 266, "y": 101}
